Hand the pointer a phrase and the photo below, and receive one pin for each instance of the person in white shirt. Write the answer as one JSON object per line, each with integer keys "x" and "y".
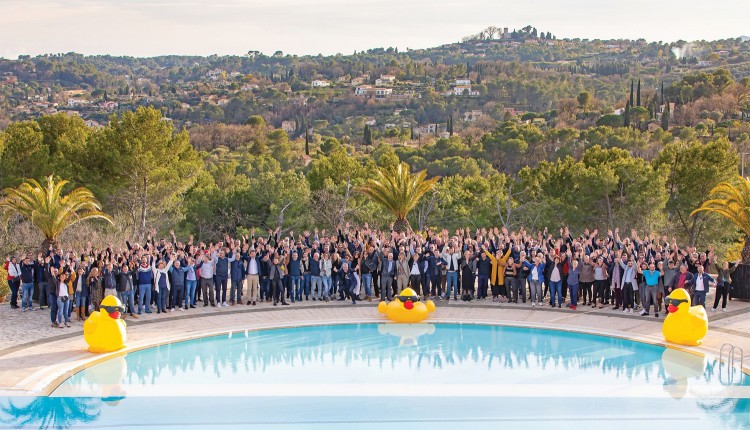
{"x": 701, "y": 283}
{"x": 63, "y": 301}
{"x": 14, "y": 280}
{"x": 253, "y": 276}
{"x": 161, "y": 282}
{"x": 325, "y": 275}
{"x": 207, "y": 267}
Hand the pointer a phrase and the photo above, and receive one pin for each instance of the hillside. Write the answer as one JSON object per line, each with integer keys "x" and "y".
{"x": 522, "y": 129}
{"x": 493, "y": 72}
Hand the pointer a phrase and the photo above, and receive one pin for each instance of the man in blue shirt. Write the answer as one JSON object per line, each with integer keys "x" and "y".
{"x": 651, "y": 277}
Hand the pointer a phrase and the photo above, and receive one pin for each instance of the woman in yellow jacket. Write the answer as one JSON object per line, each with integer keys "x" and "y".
{"x": 497, "y": 275}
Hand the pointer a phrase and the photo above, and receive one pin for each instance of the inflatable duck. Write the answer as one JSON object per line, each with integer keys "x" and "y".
{"x": 104, "y": 331}
{"x": 407, "y": 308}
{"x": 685, "y": 325}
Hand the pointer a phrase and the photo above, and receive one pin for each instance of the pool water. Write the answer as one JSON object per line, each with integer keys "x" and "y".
{"x": 400, "y": 376}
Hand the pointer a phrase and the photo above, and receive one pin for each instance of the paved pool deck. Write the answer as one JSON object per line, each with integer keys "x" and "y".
{"x": 35, "y": 358}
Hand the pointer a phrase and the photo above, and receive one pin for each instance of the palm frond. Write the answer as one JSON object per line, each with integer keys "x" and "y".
{"x": 398, "y": 190}
{"x": 48, "y": 209}
{"x": 731, "y": 201}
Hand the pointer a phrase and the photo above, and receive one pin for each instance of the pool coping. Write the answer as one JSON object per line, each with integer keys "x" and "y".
{"x": 44, "y": 382}
{"x": 138, "y": 323}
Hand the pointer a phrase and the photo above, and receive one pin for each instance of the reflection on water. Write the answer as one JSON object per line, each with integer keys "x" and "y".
{"x": 407, "y": 333}
{"x": 50, "y": 412}
{"x": 454, "y": 352}
{"x": 679, "y": 367}
{"x": 382, "y": 354}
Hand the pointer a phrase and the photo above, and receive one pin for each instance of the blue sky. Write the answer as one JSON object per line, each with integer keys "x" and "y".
{"x": 155, "y": 27}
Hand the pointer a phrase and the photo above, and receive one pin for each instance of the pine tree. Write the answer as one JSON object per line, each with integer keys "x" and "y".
{"x": 639, "y": 93}
{"x": 627, "y": 115}
{"x": 631, "y": 92}
{"x": 665, "y": 117}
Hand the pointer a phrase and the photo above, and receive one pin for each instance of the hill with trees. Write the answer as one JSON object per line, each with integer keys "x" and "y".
{"x": 524, "y": 128}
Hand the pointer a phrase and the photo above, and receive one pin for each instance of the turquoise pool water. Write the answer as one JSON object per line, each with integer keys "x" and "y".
{"x": 396, "y": 376}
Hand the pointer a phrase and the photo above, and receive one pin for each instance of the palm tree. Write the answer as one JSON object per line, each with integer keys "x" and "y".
{"x": 398, "y": 191}
{"x": 732, "y": 201}
{"x": 48, "y": 209}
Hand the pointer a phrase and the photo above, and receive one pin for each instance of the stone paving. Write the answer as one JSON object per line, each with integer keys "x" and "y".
{"x": 35, "y": 358}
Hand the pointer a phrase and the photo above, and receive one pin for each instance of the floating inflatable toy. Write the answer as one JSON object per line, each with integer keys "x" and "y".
{"x": 104, "y": 331}
{"x": 684, "y": 325}
{"x": 407, "y": 308}
{"x": 407, "y": 333}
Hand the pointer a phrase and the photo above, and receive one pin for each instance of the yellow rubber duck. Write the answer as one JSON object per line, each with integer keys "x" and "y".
{"x": 407, "y": 308}
{"x": 104, "y": 331}
{"x": 685, "y": 325}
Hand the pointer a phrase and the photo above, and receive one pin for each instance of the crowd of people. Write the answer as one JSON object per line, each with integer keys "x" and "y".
{"x": 591, "y": 269}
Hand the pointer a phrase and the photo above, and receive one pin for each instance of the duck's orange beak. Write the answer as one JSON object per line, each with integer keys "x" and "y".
{"x": 114, "y": 315}
{"x": 409, "y": 305}
{"x": 672, "y": 309}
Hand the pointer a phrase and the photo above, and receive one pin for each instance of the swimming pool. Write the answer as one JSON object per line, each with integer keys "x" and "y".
{"x": 404, "y": 376}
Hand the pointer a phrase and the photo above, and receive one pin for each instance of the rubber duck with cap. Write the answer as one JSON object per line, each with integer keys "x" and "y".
{"x": 407, "y": 308}
{"x": 685, "y": 324}
{"x": 104, "y": 331}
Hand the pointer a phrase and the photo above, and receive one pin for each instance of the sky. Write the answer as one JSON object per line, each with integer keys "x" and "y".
{"x": 146, "y": 28}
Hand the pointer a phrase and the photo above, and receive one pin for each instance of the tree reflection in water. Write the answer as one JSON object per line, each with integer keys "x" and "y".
{"x": 51, "y": 412}
{"x": 505, "y": 353}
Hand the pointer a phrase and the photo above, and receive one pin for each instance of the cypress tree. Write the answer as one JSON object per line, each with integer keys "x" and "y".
{"x": 368, "y": 135}
{"x": 627, "y": 115}
{"x": 665, "y": 117}
{"x": 639, "y": 92}
{"x": 307, "y": 141}
{"x": 450, "y": 125}
{"x": 631, "y": 92}
{"x": 651, "y": 108}
{"x": 662, "y": 93}
{"x": 411, "y": 130}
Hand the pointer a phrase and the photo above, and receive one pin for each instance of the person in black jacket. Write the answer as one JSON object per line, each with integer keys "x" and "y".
{"x": 484, "y": 266}
{"x": 277, "y": 287}
{"x": 349, "y": 282}
{"x": 388, "y": 274}
{"x": 468, "y": 266}
{"x": 126, "y": 280}
{"x": 265, "y": 280}
{"x": 41, "y": 282}
{"x": 27, "y": 283}
{"x": 50, "y": 276}
{"x": 416, "y": 272}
